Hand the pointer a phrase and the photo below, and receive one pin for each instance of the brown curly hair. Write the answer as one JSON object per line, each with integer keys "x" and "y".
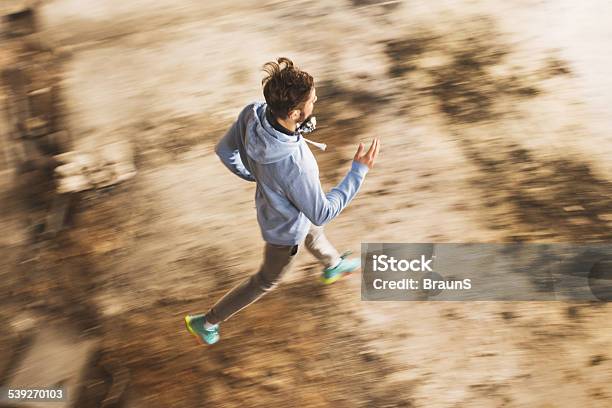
{"x": 285, "y": 87}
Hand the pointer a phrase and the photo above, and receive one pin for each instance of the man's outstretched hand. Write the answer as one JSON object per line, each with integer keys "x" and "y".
{"x": 369, "y": 157}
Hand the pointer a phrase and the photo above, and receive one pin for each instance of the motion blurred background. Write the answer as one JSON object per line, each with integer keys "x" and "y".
{"x": 116, "y": 217}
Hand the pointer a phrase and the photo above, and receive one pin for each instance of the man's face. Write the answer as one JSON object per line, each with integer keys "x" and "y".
{"x": 300, "y": 115}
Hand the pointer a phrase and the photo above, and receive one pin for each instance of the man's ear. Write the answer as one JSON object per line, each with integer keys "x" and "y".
{"x": 295, "y": 114}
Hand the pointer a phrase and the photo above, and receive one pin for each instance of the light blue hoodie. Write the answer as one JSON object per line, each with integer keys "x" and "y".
{"x": 289, "y": 195}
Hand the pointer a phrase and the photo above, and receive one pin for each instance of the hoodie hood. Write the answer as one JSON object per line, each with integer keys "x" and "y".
{"x": 264, "y": 144}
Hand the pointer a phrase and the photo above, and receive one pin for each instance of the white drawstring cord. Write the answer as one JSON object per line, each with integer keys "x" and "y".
{"x": 321, "y": 146}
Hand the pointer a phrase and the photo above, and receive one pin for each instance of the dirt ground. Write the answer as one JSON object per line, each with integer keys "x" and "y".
{"x": 494, "y": 121}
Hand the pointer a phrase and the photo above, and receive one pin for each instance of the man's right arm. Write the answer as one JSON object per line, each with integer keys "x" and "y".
{"x": 307, "y": 195}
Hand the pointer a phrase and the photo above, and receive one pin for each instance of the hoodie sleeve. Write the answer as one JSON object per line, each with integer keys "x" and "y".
{"x": 307, "y": 195}
{"x": 228, "y": 152}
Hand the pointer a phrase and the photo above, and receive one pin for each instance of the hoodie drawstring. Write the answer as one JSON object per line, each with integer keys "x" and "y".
{"x": 321, "y": 146}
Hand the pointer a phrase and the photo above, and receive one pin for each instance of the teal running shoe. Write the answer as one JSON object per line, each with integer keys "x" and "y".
{"x": 195, "y": 326}
{"x": 345, "y": 267}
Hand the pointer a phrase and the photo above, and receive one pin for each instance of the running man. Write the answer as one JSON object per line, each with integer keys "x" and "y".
{"x": 265, "y": 146}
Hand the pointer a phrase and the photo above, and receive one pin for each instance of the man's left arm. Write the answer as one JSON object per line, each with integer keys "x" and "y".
{"x": 228, "y": 152}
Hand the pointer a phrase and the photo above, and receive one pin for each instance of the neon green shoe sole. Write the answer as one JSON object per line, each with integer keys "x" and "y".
{"x": 202, "y": 335}
{"x": 345, "y": 267}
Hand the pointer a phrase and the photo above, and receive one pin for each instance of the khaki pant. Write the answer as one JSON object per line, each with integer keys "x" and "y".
{"x": 278, "y": 260}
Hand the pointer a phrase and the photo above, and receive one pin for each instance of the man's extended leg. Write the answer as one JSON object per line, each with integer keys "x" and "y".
{"x": 277, "y": 262}
{"x": 336, "y": 265}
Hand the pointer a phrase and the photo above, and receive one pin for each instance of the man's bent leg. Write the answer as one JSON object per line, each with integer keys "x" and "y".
{"x": 277, "y": 261}
{"x": 318, "y": 244}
